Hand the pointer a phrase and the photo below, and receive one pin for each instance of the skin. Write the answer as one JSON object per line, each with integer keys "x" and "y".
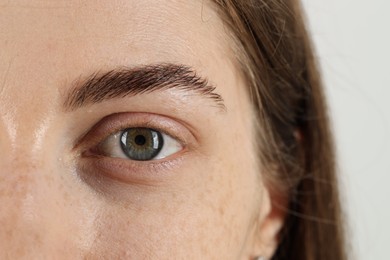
{"x": 207, "y": 201}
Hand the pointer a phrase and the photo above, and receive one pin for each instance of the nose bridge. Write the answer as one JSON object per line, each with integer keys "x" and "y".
{"x": 37, "y": 209}
{"x": 30, "y": 184}
{"x": 39, "y": 204}
{"x": 27, "y": 104}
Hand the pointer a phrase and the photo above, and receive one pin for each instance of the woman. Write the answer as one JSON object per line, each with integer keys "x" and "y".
{"x": 163, "y": 130}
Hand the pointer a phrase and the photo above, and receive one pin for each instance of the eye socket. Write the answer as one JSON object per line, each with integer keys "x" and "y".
{"x": 139, "y": 144}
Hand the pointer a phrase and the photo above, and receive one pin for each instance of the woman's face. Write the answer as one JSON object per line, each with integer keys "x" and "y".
{"x": 113, "y": 143}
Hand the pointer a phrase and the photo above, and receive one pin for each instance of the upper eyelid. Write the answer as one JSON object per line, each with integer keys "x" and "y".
{"x": 119, "y": 122}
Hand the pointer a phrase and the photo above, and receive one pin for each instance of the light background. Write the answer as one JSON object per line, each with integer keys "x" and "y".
{"x": 352, "y": 38}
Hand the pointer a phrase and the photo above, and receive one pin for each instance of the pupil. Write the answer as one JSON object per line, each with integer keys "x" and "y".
{"x": 140, "y": 140}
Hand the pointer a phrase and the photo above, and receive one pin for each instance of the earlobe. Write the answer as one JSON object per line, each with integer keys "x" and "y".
{"x": 268, "y": 227}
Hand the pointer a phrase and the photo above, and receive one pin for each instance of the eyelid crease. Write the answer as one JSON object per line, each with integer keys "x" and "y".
{"x": 122, "y": 82}
{"x": 118, "y": 122}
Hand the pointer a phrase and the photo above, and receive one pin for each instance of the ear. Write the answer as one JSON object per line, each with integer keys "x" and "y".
{"x": 269, "y": 223}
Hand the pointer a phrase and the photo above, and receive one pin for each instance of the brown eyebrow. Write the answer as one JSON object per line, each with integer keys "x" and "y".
{"x": 123, "y": 82}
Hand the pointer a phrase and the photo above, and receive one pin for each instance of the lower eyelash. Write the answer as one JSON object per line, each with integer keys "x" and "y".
{"x": 128, "y": 171}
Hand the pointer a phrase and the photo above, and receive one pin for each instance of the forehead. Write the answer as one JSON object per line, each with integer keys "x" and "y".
{"x": 71, "y": 36}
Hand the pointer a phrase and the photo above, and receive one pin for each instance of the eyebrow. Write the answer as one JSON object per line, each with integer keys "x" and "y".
{"x": 124, "y": 82}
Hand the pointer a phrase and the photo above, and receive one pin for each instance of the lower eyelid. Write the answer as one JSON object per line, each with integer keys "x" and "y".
{"x": 131, "y": 172}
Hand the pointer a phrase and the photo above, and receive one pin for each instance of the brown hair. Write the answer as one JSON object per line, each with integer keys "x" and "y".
{"x": 276, "y": 57}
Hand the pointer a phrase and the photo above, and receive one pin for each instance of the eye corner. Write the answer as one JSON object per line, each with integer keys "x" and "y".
{"x": 98, "y": 141}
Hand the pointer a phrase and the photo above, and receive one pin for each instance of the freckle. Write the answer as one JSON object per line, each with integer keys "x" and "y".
{"x": 211, "y": 177}
{"x": 221, "y": 210}
{"x": 37, "y": 239}
{"x": 66, "y": 196}
{"x": 163, "y": 206}
{"x": 51, "y": 46}
{"x": 126, "y": 206}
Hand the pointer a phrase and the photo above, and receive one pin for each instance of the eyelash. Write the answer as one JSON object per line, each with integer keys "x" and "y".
{"x": 116, "y": 123}
{"x": 127, "y": 169}
{"x": 120, "y": 145}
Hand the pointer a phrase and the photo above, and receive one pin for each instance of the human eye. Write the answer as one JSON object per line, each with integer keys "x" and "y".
{"x": 139, "y": 144}
{"x": 135, "y": 147}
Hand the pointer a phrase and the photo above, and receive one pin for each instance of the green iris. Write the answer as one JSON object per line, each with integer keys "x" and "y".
{"x": 141, "y": 144}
